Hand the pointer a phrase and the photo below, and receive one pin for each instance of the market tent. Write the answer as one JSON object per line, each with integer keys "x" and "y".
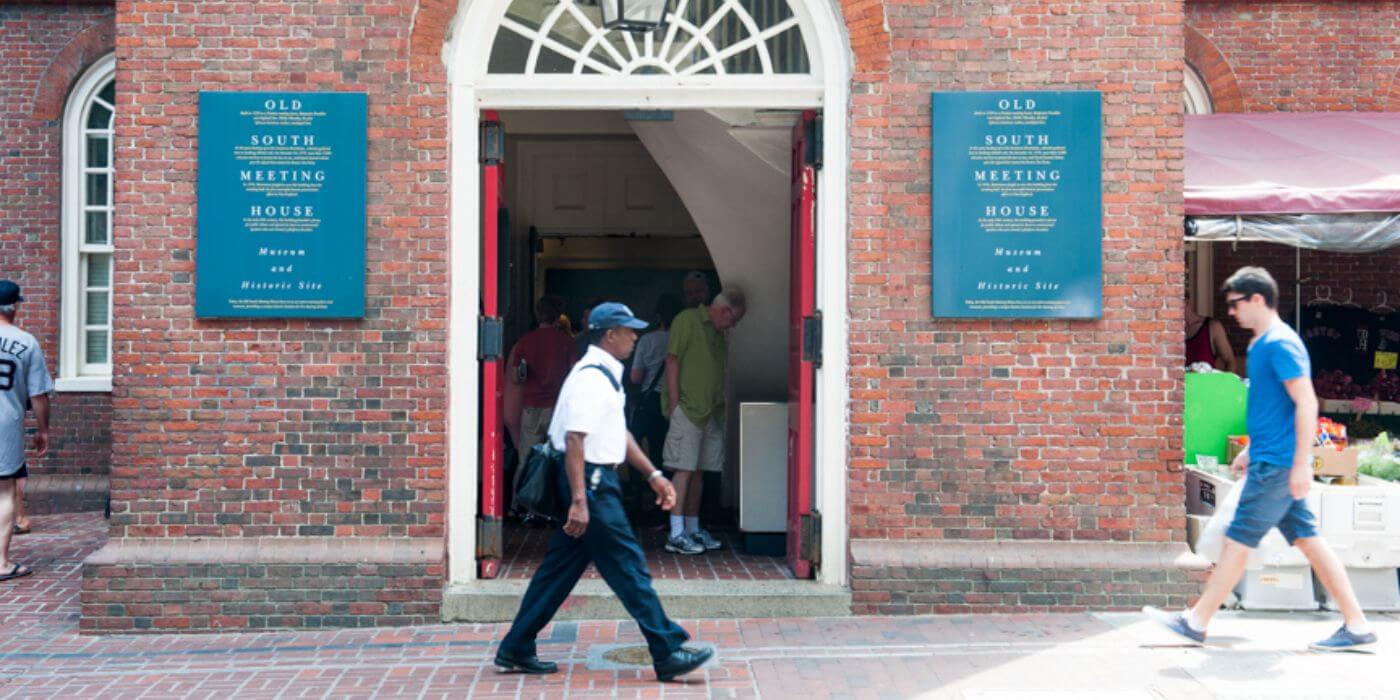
{"x": 1325, "y": 181}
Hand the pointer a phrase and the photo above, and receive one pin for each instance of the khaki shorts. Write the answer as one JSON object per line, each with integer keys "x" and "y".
{"x": 688, "y": 446}
{"x": 534, "y": 429}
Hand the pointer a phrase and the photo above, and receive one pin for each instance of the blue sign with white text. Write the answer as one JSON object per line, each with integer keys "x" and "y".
{"x": 281, "y": 205}
{"x": 1017, "y": 205}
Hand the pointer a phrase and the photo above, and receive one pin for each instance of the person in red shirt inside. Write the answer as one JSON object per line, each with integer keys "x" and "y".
{"x": 1206, "y": 340}
{"x": 538, "y": 364}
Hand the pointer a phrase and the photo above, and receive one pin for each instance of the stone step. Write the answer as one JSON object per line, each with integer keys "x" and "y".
{"x": 498, "y": 600}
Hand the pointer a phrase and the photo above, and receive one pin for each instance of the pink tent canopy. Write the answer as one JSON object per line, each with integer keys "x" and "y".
{"x": 1292, "y": 163}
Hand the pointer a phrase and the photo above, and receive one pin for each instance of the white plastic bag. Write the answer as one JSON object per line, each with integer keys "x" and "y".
{"x": 1212, "y": 540}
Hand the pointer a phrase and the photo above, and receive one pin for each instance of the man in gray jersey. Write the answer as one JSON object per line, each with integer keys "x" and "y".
{"x": 24, "y": 380}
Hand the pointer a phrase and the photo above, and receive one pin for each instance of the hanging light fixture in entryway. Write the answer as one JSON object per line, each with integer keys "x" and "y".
{"x": 638, "y": 16}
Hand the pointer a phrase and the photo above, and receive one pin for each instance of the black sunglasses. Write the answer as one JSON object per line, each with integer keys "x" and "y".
{"x": 1230, "y": 303}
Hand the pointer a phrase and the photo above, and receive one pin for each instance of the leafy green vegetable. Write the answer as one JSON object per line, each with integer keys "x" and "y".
{"x": 1378, "y": 459}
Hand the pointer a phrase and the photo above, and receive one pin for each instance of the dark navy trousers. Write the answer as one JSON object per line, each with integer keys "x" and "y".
{"x": 608, "y": 544}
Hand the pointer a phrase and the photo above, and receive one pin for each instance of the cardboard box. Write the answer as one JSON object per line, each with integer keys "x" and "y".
{"x": 1329, "y": 461}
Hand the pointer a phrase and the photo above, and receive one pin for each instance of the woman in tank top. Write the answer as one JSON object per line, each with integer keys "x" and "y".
{"x": 1206, "y": 340}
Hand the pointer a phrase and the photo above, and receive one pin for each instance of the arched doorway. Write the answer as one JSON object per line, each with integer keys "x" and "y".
{"x": 716, "y": 55}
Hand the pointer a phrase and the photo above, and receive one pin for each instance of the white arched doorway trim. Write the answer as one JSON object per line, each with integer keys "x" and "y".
{"x": 473, "y": 88}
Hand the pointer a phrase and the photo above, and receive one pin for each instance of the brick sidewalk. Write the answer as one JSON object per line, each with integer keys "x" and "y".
{"x": 982, "y": 657}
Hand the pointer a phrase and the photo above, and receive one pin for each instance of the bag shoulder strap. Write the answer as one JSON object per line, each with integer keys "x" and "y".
{"x": 611, "y": 379}
{"x": 660, "y": 372}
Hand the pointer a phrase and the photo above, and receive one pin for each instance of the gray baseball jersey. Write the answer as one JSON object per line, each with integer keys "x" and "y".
{"x": 22, "y": 375}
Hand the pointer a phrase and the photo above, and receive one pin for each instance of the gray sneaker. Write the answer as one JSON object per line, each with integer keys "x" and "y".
{"x": 1344, "y": 640}
{"x": 704, "y": 539}
{"x": 684, "y": 545}
{"x": 1175, "y": 622}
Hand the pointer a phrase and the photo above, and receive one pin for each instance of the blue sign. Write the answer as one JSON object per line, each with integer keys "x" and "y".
{"x": 281, "y": 205}
{"x": 1017, "y": 205}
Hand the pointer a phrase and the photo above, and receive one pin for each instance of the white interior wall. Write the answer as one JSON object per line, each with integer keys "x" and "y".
{"x": 737, "y": 191}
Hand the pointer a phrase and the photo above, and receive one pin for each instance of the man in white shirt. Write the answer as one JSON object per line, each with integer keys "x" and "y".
{"x": 590, "y": 427}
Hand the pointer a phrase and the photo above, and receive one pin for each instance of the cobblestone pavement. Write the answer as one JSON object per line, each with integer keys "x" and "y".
{"x": 1001, "y": 657}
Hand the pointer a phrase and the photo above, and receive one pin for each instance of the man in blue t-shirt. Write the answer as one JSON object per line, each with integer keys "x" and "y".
{"x": 1282, "y": 423}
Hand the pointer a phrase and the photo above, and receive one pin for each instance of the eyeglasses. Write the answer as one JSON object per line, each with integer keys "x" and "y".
{"x": 1230, "y": 303}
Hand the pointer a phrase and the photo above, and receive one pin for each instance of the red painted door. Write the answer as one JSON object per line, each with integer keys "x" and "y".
{"x": 803, "y": 322}
{"x": 492, "y": 506}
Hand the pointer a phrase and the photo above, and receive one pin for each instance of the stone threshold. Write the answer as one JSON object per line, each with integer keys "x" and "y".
{"x": 498, "y": 600}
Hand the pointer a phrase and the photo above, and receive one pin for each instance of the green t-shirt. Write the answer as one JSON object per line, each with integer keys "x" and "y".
{"x": 701, "y": 350}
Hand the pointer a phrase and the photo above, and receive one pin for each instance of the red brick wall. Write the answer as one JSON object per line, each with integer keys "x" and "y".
{"x": 1019, "y": 430}
{"x": 1306, "y": 56}
{"x": 43, "y": 49}
{"x": 282, "y": 427}
{"x": 1362, "y": 276}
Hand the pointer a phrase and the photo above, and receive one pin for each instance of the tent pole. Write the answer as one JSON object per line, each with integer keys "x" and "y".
{"x": 1298, "y": 289}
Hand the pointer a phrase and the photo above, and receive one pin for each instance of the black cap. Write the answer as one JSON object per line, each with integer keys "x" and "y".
{"x": 9, "y": 293}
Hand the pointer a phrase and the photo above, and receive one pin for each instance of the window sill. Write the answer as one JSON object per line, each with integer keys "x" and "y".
{"x": 83, "y": 384}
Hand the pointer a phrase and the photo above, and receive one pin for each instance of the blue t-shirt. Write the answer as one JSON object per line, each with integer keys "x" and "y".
{"x": 1277, "y": 356}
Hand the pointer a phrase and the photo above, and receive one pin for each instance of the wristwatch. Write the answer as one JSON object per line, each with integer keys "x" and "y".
{"x": 654, "y": 474}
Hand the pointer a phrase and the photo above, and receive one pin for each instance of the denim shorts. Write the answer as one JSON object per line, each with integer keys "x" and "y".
{"x": 1267, "y": 503}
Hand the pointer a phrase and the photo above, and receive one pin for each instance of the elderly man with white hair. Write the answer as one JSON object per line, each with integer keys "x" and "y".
{"x": 694, "y": 400}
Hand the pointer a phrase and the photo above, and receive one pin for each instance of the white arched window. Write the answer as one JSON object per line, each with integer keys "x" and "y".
{"x": 701, "y": 38}
{"x": 1200, "y": 257}
{"x": 85, "y": 342}
{"x": 1196, "y": 94}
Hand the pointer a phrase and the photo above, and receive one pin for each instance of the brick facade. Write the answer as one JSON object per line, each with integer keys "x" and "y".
{"x": 43, "y": 49}
{"x": 1366, "y": 278}
{"x": 254, "y": 463}
{"x": 1015, "y": 431}
{"x": 1335, "y": 55}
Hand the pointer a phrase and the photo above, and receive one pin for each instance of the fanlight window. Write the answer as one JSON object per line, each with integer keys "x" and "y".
{"x": 700, "y": 38}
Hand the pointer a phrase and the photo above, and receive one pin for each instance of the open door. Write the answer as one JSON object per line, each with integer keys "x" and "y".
{"x": 491, "y": 329}
{"x": 804, "y": 343}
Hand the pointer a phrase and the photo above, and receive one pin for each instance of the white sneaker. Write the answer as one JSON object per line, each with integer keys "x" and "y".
{"x": 684, "y": 545}
{"x": 703, "y": 538}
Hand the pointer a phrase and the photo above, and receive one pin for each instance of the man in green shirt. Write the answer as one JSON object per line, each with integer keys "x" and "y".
{"x": 694, "y": 399}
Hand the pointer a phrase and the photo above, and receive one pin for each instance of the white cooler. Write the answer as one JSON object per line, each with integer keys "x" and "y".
{"x": 1362, "y": 524}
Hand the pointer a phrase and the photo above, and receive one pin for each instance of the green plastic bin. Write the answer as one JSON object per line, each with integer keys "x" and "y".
{"x": 1215, "y": 406}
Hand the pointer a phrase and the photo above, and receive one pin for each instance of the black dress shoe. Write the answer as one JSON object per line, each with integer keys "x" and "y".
{"x": 531, "y": 665}
{"x": 681, "y": 662}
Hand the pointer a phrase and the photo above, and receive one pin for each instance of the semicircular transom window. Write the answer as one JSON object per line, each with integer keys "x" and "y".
{"x": 701, "y": 38}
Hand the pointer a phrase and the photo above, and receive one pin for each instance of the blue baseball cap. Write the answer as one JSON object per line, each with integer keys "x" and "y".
{"x": 9, "y": 293}
{"x": 611, "y": 315}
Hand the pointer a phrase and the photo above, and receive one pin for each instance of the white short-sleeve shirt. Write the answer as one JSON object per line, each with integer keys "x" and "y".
{"x": 588, "y": 403}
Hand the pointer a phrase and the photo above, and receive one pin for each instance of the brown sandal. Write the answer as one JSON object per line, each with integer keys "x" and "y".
{"x": 22, "y": 530}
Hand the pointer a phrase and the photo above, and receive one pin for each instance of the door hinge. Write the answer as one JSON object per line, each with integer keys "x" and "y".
{"x": 812, "y": 339}
{"x": 493, "y": 143}
{"x": 813, "y": 137}
{"x": 811, "y": 525}
{"x": 489, "y": 334}
{"x": 488, "y": 538}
